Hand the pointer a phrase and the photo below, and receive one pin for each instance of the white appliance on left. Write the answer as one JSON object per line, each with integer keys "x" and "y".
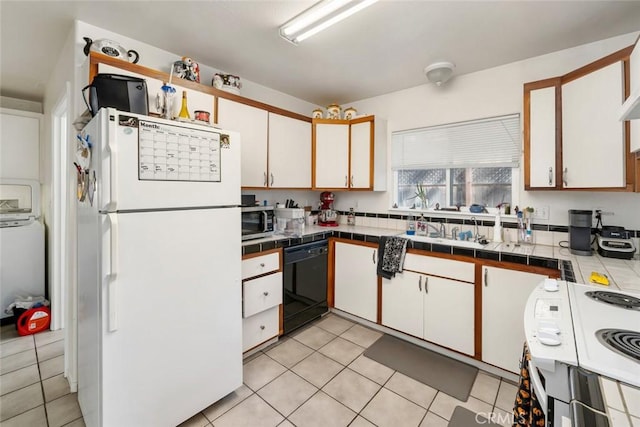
{"x": 159, "y": 270}
{"x": 21, "y": 241}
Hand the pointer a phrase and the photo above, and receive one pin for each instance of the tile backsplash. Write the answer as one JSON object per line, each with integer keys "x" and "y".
{"x": 543, "y": 234}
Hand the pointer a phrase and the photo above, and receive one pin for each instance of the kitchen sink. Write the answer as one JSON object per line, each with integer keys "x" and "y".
{"x": 443, "y": 241}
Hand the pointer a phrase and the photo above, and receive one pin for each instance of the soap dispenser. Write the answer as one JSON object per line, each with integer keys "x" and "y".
{"x": 497, "y": 229}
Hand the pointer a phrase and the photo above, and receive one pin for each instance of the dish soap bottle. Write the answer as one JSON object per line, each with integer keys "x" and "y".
{"x": 411, "y": 226}
{"x": 497, "y": 229}
{"x": 184, "y": 111}
{"x": 351, "y": 217}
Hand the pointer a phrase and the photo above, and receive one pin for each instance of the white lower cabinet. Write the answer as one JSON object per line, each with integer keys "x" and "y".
{"x": 504, "y": 295}
{"x": 449, "y": 313}
{"x": 261, "y": 299}
{"x": 260, "y": 327}
{"x": 356, "y": 282}
{"x": 437, "y": 309}
{"x": 261, "y": 293}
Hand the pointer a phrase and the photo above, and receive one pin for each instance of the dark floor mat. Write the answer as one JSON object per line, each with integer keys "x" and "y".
{"x": 433, "y": 369}
{"x": 462, "y": 417}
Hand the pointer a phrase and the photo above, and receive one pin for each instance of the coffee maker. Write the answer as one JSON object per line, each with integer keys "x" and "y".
{"x": 328, "y": 217}
{"x": 580, "y": 232}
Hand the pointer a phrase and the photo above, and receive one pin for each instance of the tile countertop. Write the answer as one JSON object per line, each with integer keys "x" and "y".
{"x": 622, "y": 274}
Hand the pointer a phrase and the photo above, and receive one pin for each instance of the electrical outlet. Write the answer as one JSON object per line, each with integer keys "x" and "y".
{"x": 541, "y": 212}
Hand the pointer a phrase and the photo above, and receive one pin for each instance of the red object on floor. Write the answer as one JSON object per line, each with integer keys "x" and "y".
{"x": 33, "y": 320}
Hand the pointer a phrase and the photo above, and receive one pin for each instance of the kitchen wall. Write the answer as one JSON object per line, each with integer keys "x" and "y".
{"x": 494, "y": 92}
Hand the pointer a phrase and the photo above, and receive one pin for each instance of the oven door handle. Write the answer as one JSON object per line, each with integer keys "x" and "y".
{"x": 536, "y": 386}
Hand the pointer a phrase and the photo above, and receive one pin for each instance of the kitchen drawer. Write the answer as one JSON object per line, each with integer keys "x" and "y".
{"x": 458, "y": 270}
{"x": 260, "y": 327}
{"x": 261, "y": 293}
{"x": 263, "y": 264}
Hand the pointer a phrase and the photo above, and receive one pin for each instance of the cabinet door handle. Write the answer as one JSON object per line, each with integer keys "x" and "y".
{"x": 265, "y": 293}
{"x": 373, "y": 257}
{"x": 262, "y": 327}
{"x": 564, "y": 176}
{"x": 426, "y": 284}
{"x": 271, "y": 179}
{"x": 351, "y": 183}
{"x": 550, "y": 176}
{"x": 346, "y": 181}
{"x": 486, "y": 277}
{"x": 420, "y": 283}
{"x": 265, "y": 179}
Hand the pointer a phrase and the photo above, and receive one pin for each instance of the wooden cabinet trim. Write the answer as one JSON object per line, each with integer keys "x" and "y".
{"x": 96, "y": 58}
{"x": 621, "y": 55}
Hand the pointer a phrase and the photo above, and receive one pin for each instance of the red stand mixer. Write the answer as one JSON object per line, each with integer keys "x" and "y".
{"x": 327, "y": 217}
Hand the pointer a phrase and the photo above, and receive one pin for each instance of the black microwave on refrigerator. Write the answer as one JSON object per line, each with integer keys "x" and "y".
{"x": 257, "y": 221}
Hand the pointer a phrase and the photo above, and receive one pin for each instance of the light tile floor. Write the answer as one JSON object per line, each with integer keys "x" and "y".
{"x": 33, "y": 390}
{"x": 315, "y": 377}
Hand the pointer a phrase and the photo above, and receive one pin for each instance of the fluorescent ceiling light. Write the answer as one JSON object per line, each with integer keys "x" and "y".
{"x": 319, "y": 17}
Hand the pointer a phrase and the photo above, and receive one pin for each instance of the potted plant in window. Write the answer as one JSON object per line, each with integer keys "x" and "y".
{"x": 421, "y": 195}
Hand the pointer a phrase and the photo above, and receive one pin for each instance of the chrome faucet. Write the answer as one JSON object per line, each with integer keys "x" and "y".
{"x": 476, "y": 233}
{"x": 441, "y": 232}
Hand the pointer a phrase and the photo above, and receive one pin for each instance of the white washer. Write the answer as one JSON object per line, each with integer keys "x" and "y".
{"x": 21, "y": 242}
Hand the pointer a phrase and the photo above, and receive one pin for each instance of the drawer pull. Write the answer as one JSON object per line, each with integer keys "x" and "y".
{"x": 262, "y": 327}
{"x": 262, "y": 264}
{"x": 265, "y": 293}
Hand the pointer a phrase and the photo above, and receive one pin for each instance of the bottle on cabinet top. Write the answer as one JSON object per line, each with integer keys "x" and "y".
{"x": 184, "y": 111}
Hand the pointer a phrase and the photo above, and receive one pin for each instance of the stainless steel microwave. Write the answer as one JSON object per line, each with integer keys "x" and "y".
{"x": 257, "y": 221}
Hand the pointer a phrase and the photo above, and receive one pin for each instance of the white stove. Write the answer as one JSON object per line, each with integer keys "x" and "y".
{"x": 607, "y": 331}
{"x": 585, "y": 353}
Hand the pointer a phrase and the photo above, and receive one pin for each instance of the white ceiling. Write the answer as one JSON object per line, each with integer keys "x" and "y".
{"x": 382, "y": 49}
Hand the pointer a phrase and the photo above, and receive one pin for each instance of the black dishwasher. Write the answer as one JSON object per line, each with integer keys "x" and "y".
{"x": 304, "y": 284}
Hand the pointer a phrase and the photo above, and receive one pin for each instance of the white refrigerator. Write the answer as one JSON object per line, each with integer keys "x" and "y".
{"x": 159, "y": 273}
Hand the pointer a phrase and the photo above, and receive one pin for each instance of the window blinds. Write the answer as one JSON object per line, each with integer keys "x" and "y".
{"x": 492, "y": 142}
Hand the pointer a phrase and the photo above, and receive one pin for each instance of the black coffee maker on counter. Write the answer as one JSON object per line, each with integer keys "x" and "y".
{"x": 580, "y": 232}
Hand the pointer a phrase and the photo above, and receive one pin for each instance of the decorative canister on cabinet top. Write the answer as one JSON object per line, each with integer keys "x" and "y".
{"x": 350, "y": 113}
{"x": 187, "y": 69}
{"x": 227, "y": 82}
{"x": 334, "y": 112}
{"x": 317, "y": 113}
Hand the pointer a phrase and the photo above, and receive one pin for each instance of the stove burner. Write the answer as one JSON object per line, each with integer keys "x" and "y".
{"x": 621, "y": 341}
{"x": 620, "y": 300}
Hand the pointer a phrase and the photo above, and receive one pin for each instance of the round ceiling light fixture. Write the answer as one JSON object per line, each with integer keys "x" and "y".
{"x": 439, "y": 72}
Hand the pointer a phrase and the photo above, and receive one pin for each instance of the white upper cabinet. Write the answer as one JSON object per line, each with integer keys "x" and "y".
{"x": 350, "y": 154}
{"x": 542, "y": 137}
{"x": 592, "y": 134}
{"x": 19, "y": 144}
{"x": 251, "y": 122}
{"x": 289, "y": 152}
{"x": 361, "y": 145}
{"x": 331, "y": 155}
{"x": 573, "y": 136}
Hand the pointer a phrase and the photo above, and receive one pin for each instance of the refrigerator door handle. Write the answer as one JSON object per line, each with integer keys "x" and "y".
{"x": 112, "y": 325}
{"x": 113, "y": 176}
{"x": 113, "y": 244}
